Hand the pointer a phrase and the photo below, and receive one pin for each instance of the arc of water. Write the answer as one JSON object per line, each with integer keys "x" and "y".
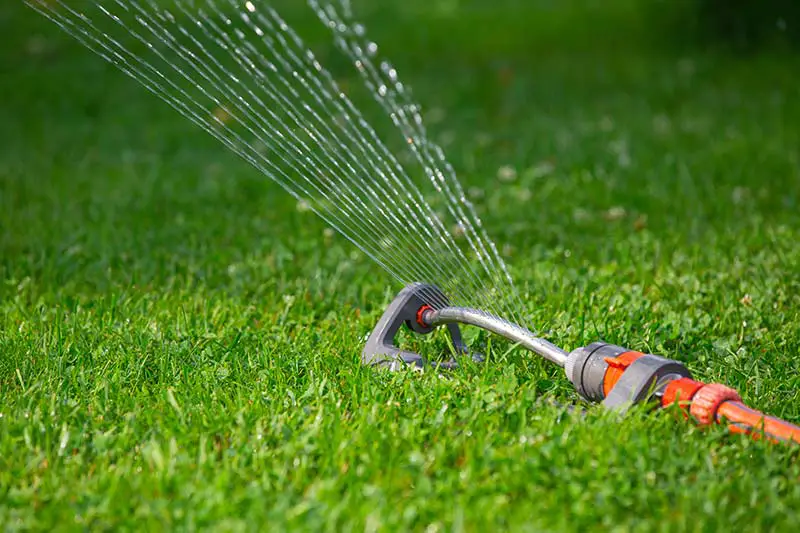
{"x": 154, "y": 81}
{"x": 400, "y": 186}
{"x": 276, "y": 94}
{"x": 395, "y": 99}
{"x": 254, "y": 117}
{"x": 402, "y": 182}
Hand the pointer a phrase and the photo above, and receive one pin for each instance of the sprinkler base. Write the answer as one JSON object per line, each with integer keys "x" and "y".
{"x": 380, "y": 349}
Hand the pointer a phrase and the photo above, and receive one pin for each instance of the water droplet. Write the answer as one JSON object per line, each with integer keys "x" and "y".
{"x": 383, "y": 90}
{"x": 250, "y": 7}
{"x": 372, "y": 49}
{"x": 359, "y": 30}
{"x": 387, "y": 69}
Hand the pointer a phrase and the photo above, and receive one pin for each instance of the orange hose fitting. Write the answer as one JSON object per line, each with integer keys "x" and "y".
{"x": 707, "y": 399}
{"x": 682, "y": 391}
{"x": 716, "y": 403}
{"x": 421, "y": 313}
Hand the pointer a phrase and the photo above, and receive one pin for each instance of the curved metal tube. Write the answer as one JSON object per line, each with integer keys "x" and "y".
{"x": 499, "y": 326}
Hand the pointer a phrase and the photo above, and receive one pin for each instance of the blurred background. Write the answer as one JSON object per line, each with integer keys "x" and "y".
{"x": 572, "y": 123}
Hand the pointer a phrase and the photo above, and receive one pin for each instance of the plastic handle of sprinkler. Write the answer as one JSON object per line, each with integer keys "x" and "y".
{"x": 717, "y": 404}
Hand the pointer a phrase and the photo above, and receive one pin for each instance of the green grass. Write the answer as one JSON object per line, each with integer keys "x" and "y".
{"x": 178, "y": 349}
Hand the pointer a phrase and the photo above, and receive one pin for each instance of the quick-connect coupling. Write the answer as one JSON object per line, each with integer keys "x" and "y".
{"x": 618, "y": 376}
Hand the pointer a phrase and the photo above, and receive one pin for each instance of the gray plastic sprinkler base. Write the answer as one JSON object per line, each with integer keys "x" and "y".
{"x": 381, "y": 350}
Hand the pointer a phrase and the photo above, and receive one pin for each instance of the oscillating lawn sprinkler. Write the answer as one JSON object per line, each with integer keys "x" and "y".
{"x": 612, "y": 375}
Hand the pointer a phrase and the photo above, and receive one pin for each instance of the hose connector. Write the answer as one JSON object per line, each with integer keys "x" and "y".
{"x": 619, "y": 377}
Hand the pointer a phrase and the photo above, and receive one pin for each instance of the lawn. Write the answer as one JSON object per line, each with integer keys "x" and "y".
{"x": 179, "y": 344}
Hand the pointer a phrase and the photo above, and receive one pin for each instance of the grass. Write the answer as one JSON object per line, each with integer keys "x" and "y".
{"x": 178, "y": 350}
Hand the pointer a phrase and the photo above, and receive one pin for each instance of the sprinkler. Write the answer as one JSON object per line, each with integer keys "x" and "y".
{"x": 614, "y": 376}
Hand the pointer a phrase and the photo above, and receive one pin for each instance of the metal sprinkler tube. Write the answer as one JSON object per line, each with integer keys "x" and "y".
{"x": 612, "y": 375}
{"x": 499, "y": 326}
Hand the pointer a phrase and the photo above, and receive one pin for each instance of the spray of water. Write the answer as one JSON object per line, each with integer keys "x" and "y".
{"x": 237, "y": 70}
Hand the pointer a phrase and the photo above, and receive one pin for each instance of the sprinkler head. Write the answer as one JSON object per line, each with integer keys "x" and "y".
{"x": 410, "y": 308}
